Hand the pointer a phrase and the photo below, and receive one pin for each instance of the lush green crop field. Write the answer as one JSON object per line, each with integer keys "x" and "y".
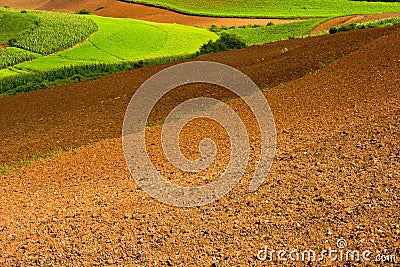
{"x": 272, "y": 33}
{"x": 122, "y": 40}
{"x": 14, "y": 24}
{"x": 55, "y": 32}
{"x": 274, "y": 8}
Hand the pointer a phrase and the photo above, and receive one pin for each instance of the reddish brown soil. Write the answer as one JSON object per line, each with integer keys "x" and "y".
{"x": 99, "y": 105}
{"x": 28, "y": 4}
{"x": 336, "y": 174}
{"x": 115, "y": 8}
{"x": 353, "y": 19}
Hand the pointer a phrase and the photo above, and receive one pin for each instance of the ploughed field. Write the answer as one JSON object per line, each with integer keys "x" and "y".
{"x": 335, "y": 101}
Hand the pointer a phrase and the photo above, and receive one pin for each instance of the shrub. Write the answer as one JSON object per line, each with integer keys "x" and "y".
{"x": 215, "y": 28}
{"x": 84, "y": 11}
{"x": 225, "y": 42}
{"x": 333, "y": 30}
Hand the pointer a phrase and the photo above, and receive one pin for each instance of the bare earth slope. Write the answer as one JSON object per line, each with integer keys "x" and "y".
{"x": 336, "y": 174}
{"x": 43, "y": 121}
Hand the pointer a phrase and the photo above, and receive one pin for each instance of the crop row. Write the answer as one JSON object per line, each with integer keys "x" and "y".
{"x": 55, "y": 32}
{"x": 10, "y": 57}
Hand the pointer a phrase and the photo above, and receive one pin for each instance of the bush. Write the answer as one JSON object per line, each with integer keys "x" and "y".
{"x": 225, "y": 42}
{"x": 215, "y": 28}
{"x": 333, "y": 30}
{"x": 84, "y": 11}
{"x": 348, "y": 27}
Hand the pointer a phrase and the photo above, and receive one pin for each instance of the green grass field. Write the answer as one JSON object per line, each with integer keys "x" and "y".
{"x": 121, "y": 40}
{"x": 274, "y": 8}
{"x": 272, "y": 33}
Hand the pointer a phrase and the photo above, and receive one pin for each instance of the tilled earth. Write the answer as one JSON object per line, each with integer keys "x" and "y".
{"x": 335, "y": 101}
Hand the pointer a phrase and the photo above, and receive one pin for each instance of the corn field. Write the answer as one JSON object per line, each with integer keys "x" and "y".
{"x": 55, "y": 32}
{"x": 10, "y": 57}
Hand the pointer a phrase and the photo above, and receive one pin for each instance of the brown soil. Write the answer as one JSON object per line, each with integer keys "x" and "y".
{"x": 28, "y": 4}
{"x": 353, "y": 19}
{"x": 114, "y": 8}
{"x": 336, "y": 174}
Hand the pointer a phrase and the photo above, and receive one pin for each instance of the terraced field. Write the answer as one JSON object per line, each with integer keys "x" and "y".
{"x": 274, "y": 8}
{"x": 116, "y": 40}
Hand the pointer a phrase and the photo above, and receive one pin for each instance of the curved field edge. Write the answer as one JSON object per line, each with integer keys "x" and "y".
{"x": 120, "y": 40}
{"x": 272, "y": 8}
{"x": 55, "y": 32}
{"x": 43, "y": 32}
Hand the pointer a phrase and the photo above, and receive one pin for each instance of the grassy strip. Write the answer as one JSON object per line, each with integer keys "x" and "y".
{"x": 366, "y": 25}
{"x": 67, "y": 75}
{"x": 272, "y": 8}
{"x": 272, "y": 33}
{"x": 25, "y": 162}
